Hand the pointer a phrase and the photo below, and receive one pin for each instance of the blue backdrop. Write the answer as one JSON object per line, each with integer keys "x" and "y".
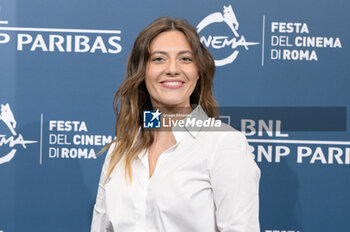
{"x": 62, "y": 61}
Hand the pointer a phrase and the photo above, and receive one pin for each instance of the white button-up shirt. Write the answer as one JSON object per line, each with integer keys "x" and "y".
{"x": 207, "y": 182}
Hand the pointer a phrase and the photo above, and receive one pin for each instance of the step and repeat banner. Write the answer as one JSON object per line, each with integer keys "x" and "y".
{"x": 283, "y": 76}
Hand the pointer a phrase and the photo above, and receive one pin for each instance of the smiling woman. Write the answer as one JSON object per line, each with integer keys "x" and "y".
{"x": 174, "y": 180}
{"x": 171, "y": 74}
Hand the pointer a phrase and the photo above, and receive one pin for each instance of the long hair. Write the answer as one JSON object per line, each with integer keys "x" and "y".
{"x": 132, "y": 97}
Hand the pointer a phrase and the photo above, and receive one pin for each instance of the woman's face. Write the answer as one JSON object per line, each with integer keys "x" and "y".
{"x": 171, "y": 73}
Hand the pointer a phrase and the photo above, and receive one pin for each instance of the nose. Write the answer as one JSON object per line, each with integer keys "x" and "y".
{"x": 172, "y": 69}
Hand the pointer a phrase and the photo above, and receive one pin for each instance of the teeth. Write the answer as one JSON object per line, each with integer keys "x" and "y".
{"x": 172, "y": 83}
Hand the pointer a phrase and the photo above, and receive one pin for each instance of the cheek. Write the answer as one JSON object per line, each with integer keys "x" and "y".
{"x": 192, "y": 73}
{"x": 152, "y": 71}
{"x": 150, "y": 77}
{"x": 194, "y": 77}
{"x": 195, "y": 80}
{"x": 149, "y": 85}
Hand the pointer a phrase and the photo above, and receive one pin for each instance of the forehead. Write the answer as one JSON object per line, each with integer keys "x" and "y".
{"x": 170, "y": 41}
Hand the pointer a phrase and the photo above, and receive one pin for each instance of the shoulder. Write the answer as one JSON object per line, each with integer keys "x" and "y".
{"x": 229, "y": 144}
{"x": 108, "y": 158}
{"x": 232, "y": 153}
{"x": 226, "y": 135}
{"x": 110, "y": 151}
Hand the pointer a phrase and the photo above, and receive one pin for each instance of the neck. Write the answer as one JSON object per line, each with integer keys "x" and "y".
{"x": 175, "y": 110}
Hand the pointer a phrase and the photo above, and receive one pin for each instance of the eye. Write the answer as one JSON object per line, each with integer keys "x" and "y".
{"x": 157, "y": 59}
{"x": 186, "y": 59}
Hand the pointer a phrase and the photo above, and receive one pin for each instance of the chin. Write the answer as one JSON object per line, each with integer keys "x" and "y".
{"x": 173, "y": 103}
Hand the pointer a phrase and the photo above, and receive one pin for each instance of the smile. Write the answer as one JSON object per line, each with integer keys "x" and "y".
{"x": 172, "y": 84}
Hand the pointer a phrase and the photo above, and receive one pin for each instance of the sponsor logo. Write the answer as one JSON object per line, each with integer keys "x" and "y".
{"x": 62, "y": 39}
{"x": 271, "y": 145}
{"x": 232, "y": 42}
{"x": 151, "y": 119}
{"x": 270, "y": 132}
{"x": 8, "y": 119}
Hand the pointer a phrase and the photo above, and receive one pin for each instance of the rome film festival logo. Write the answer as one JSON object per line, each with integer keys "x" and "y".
{"x": 218, "y": 42}
{"x": 7, "y": 117}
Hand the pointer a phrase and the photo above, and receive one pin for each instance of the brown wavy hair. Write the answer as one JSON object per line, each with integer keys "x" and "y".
{"x": 132, "y": 97}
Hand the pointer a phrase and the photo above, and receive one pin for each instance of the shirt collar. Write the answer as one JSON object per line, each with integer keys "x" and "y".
{"x": 180, "y": 132}
{"x": 196, "y": 114}
{"x": 143, "y": 157}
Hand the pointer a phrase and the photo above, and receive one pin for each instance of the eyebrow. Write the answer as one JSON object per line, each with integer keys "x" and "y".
{"x": 165, "y": 53}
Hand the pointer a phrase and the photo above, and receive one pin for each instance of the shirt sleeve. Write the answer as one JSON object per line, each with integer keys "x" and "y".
{"x": 234, "y": 177}
{"x": 99, "y": 217}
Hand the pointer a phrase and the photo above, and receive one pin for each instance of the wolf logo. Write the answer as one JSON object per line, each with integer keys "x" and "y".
{"x": 217, "y": 42}
{"x": 7, "y": 117}
{"x": 228, "y": 17}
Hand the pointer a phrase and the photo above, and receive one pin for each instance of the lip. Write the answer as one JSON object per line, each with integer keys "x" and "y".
{"x": 172, "y": 83}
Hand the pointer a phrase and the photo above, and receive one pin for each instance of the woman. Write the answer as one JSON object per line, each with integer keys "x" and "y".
{"x": 185, "y": 180}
